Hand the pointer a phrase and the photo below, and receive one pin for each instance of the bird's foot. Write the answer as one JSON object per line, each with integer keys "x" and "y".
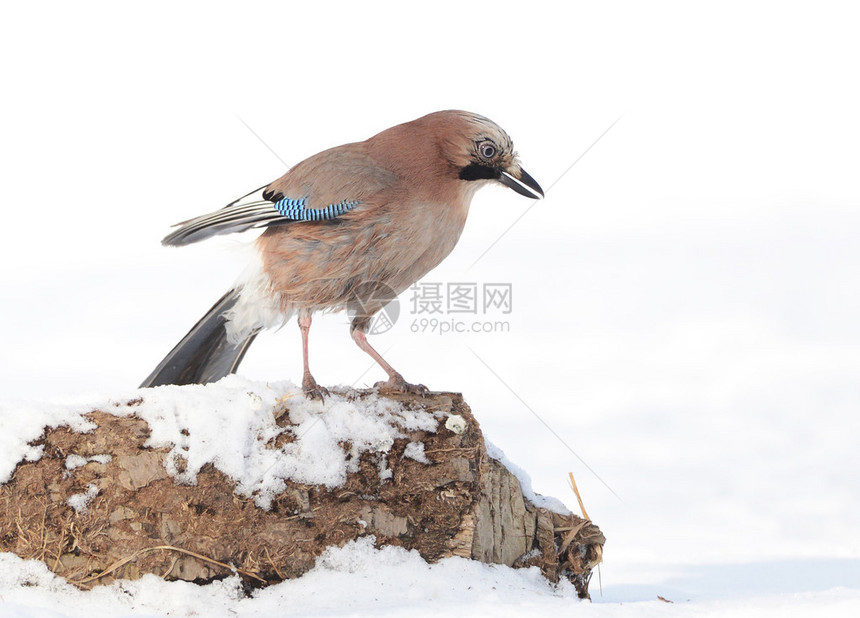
{"x": 312, "y": 390}
{"x": 397, "y": 384}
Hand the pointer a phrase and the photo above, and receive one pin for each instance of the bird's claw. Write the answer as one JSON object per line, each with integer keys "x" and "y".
{"x": 396, "y": 383}
{"x": 312, "y": 390}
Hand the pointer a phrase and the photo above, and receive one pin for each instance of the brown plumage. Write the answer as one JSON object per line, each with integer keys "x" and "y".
{"x": 348, "y": 228}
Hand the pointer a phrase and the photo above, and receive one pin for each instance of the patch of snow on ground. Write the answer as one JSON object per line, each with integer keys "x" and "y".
{"x": 358, "y": 579}
{"x": 229, "y": 424}
{"x": 24, "y": 422}
{"x": 81, "y": 501}
{"x": 77, "y": 461}
{"x": 415, "y": 450}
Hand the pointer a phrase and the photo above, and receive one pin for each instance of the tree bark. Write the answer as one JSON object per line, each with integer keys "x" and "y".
{"x": 137, "y": 519}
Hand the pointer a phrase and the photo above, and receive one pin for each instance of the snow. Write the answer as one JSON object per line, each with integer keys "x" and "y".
{"x": 76, "y": 461}
{"x": 415, "y": 450}
{"x": 360, "y": 580}
{"x": 24, "y": 422}
{"x": 685, "y": 299}
{"x": 229, "y": 424}
{"x": 80, "y": 501}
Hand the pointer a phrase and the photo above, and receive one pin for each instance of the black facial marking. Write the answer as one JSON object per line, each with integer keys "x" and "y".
{"x": 476, "y": 171}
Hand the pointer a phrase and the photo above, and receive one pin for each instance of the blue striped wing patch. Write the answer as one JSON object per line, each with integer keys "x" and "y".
{"x": 296, "y": 210}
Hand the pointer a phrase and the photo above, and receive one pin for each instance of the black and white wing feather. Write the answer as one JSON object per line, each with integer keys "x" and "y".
{"x": 256, "y": 209}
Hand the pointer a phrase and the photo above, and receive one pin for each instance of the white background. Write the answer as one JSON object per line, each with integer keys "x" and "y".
{"x": 686, "y": 297}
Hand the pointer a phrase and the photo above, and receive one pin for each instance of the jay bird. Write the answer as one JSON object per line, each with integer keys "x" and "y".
{"x": 348, "y": 228}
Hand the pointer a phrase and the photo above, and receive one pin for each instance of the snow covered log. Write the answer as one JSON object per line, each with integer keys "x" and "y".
{"x": 198, "y": 482}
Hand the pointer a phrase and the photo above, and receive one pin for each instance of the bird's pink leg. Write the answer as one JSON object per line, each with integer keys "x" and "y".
{"x": 309, "y": 385}
{"x": 395, "y": 380}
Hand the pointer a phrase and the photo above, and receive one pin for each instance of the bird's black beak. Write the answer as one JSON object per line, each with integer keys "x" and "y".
{"x": 524, "y": 184}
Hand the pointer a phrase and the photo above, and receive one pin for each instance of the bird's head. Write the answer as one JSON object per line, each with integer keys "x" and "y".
{"x": 453, "y": 146}
{"x": 480, "y": 150}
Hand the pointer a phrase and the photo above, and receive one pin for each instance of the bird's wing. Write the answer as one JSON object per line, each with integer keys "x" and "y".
{"x": 320, "y": 188}
{"x": 260, "y": 208}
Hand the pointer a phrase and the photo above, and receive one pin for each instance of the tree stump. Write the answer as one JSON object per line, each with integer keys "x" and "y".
{"x": 101, "y": 505}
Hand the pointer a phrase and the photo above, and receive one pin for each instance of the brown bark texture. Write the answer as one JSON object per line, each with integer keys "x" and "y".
{"x": 139, "y": 520}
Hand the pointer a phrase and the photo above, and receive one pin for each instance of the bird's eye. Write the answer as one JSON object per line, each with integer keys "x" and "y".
{"x": 487, "y": 150}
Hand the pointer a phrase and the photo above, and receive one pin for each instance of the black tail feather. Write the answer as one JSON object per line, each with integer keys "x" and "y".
{"x": 204, "y": 354}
